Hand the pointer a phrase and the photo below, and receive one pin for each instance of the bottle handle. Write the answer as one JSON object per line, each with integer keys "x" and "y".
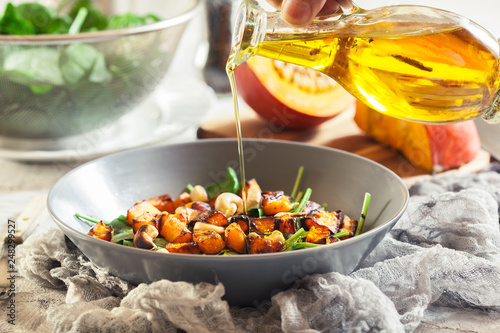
{"x": 348, "y": 7}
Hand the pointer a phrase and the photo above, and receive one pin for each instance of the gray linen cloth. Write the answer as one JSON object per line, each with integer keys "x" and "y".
{"x": 437, "y": 271}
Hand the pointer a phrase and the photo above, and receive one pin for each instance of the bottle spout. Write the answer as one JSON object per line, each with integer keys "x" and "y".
{"x": 253, "y": 24}
{"x": 249, "y": 31}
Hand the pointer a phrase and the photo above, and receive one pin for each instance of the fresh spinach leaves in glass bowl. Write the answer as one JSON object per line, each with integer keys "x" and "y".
{"x": 66, "y": 74}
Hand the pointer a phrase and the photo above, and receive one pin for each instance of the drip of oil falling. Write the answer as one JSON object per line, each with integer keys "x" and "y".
{"x": 230, "y": 73}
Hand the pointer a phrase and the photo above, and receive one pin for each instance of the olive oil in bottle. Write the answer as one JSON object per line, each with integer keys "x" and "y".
{"x": 410, "y": 62}
{"x": 439, "y": 77}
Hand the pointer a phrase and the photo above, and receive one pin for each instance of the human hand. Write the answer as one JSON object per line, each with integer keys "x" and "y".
{"x": 302, "y": 12}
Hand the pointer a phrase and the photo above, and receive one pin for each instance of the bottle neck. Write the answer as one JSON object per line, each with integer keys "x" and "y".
{"x": 253, "y": 24}
{"x": 249, "y": 31}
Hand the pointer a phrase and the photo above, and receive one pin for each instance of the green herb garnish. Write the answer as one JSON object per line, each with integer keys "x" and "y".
{"x": 296, "y": 184}
{"x": 303, "y": 201}
{"x": 121, "y": 230}
{"x": 364, "y": 211}
{"x": 229, "y": 184}
{"x": 293, "y": 240}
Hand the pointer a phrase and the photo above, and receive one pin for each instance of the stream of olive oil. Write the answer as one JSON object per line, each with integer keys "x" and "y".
{"x": 230, "y": 72}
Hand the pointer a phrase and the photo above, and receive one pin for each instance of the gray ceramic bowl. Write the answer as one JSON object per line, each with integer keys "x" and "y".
{"x": 108, "y": 186}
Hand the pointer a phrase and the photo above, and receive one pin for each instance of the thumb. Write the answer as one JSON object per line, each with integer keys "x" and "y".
{"x": 301, "y": 12}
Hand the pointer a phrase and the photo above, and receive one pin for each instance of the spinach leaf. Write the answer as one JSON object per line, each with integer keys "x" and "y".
{"x": 41, "y": 89}
{"x": 95, "y": 20}
{"x": 130, "y": 20}
{"x": 12, "y": 23}
{"x": 122, "y": 231}
{"x": 78, "y": 60}
{"x": 100, "y": 72}
{"x": 59, "y": 25}
{"x": 28, "y": 116}
{"x": 160, "y": 242}
{"x": 128, "y": 242}
{"x": 92, "y": 100}
{"x": 33, "y": 18}
{"x": 34, "y": 66}
{"x": 39, "y": 16}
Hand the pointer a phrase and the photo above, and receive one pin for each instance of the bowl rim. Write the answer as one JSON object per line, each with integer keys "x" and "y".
{"x": 264, "y": 256}
{"x": 103, "y": 35}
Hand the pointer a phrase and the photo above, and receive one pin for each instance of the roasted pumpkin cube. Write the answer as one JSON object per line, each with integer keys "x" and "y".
{"x": 330, "y": 239}
{"x": 188, "y": 248}
{"x": 286, "y": 223}
{"x": 213, "y": 217}
{"x": 182, "y": 217}
{"x": 209, "y": 242}
{"x": 199, "y": 206}
{"x": 311, "y": 207}
{"x": 317, "y": 235}
{"x": 164, "y": 203}
{"x": 263, "y": 225}
{"x": 146, "y": 218}
{"x": 235, "y": 238}
{"x": 270, "y": 244}
{"x": 320, "y": 236}
{"x": 183, "y": 199}
{"x": 139, "y": 209}
{"x": 243, "y": 221}
{"x": 173, "y": 229}
{"x": 275, "y": 202}
{"x": 347, "y": 224}
{"x": 101, "y": 231}
{"x": 327, "y": 221}
{"x": 212, "y": 201}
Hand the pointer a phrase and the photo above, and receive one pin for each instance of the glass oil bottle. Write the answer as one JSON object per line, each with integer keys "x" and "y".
{"x": 411, "y": 62}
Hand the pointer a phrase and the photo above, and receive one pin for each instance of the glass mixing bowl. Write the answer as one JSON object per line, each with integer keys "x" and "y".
{"x": 40, "y": 100}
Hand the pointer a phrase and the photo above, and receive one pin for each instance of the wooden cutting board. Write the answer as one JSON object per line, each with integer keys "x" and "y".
{"x": 340, "y": 132}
